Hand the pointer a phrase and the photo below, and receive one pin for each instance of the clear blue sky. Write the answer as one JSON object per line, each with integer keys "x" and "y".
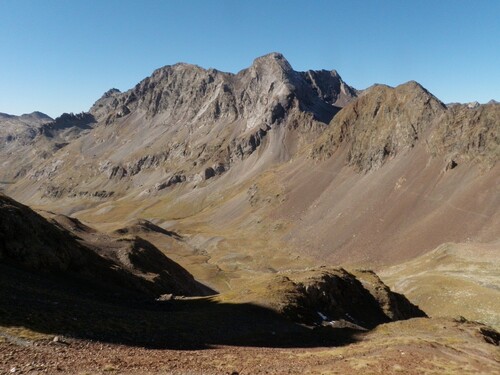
{"x": 61, "y": 55}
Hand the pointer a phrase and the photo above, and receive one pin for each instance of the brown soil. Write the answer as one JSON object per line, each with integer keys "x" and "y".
{"x": 436, "y": 347}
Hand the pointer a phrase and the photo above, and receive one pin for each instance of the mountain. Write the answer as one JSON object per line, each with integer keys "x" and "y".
{"x": 33, "y": 118}
{"x": 16, "y": 135}
{"x": 203, "y": 208}
{"x": 271, "y": 169}
{"x": 19, "y": 130}
{"x": 385, "y": 121}
{"x": 398, "y": 173}
{"x": 31, "y": 138}
{"x": 188, "y": 124}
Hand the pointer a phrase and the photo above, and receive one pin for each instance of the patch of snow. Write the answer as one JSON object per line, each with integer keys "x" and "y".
{"x": 322, "y": 316}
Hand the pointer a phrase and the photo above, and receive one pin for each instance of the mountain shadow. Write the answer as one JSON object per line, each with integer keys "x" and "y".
{"x": 57, "y": 306}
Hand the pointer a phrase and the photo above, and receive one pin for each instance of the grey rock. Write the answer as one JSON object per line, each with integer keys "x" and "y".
{"x": 183, "y": 117}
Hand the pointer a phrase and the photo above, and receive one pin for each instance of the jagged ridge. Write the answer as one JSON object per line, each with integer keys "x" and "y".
{"x": 385, "y": 121}
{"x": 185, "y": 124}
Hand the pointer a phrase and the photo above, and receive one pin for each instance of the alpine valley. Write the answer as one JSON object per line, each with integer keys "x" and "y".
{"x": 282, "y": 221}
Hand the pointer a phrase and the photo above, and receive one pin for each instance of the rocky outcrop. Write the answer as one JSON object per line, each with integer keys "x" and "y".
{"x": 337, "y": 295}
{"x": 135, "y": 167}
{"x": 175, "y": 179}
{"x": 469, "y": 134}
{"x": 141, "y": 226}
{"x": 329, "y": 87}
{"x": 383, "y": 122}
{"x": 394, "y": 305}
{"x": 332, "y": 296}
{"x": 80, "y": 121}
{"x": 386, "y": 121}
{"x": 100, "y": 194}
{"x": 102, "y": 106}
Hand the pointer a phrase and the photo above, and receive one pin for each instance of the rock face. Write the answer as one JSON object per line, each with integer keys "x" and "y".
{"x": 383, "y": 122}
{"x": 68, "y": 125}
{"x": 57, "y": 247}
{"x": 259, "y": 95}
{"x": 339, "y": 296}
{"x": 468, "y": 134}
{"x": 386, "y": 121}
{"x": 360, "y": 298}
{"x": 187, "y": 121}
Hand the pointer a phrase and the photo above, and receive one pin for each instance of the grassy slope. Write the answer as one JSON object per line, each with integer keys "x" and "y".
{"x": 454, "y": 279}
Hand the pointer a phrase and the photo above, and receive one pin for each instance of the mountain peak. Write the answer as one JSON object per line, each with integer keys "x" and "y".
{"x": 6, "y": 115}
{"x": 237, "y": 96}
{"x": 273, "y": 60}
{"x": 412, "y": 85}
{"x": 38, "y": 115}
{"x": 111, "y": 92}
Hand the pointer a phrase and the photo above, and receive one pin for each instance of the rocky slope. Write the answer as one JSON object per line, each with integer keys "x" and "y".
{"x": 185, "y": 124}
{"x": 28, "y": 140}
{"x": 414, "y": 347}
{"x": 400, "y": 174}
{"x": 387, "y": 121}
{"x": 68, "y": 249}
{"x": 383, "y": 122}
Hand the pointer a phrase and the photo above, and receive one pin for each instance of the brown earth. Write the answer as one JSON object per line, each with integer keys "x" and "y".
{"x": 417, "y": 346}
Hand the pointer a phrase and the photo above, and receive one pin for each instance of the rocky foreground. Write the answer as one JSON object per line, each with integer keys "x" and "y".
{"x": 417, "y": 346}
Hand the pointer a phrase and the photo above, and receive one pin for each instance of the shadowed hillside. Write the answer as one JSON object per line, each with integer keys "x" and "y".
{"x": 125, "y": 265}
{"x": 61, "y": 276}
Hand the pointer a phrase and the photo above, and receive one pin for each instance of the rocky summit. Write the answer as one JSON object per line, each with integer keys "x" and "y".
{"x": 265, "y": 215}
{"x": 186, "y": 124}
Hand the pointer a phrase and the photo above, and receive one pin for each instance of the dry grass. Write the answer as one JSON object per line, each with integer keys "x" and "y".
{"x": 453, "y": 280}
